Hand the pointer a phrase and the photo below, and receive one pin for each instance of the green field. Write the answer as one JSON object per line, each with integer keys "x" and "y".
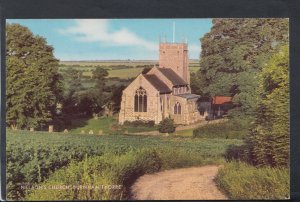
{"x": 133, "y": 67}
{"x": 108, "y": 62}
{"x": 115, "y": 157}
{"x": 32, "y": 157}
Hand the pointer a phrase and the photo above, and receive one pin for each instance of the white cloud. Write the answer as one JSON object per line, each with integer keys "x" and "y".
{"x": 97, "y": 30}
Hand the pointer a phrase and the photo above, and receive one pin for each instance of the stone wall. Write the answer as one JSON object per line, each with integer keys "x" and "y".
{"x": 127, "y": 112}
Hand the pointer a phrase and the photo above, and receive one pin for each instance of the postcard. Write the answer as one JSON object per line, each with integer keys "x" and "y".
{"x": 147, "y": 109}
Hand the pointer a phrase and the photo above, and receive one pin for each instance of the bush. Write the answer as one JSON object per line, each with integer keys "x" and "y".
{"x": 242, "y": 181}
{"x": 167, "y": 126}
{"x": 238, "y": 153}
{"x": 140, "y": 123}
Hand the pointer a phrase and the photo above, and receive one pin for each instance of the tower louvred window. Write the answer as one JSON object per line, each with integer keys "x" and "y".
{"x": 140, "y": 100}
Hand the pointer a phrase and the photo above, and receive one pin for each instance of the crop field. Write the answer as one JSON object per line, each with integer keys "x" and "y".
{"x": 33, "y": 156}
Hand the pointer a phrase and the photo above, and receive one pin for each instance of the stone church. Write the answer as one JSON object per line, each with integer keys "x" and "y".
{"x": 164, "y": 91}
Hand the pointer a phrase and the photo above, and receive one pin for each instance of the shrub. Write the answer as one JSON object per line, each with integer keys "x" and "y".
{"x": 237, "y": 153}
{"x": 140, "y": 123}
{"x": 243, "y": 181}
{"x": 167, "y": 126}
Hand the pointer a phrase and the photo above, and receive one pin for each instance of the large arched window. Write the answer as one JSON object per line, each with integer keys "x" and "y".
{"x": 140, "y": 100}
{"x": 177, "y": 108}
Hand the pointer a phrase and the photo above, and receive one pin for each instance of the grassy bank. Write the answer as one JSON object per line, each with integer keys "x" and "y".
{"x": 242, "y": 181}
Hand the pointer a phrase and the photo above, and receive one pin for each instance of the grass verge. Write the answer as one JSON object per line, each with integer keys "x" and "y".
{"x": 228, "y": 130}
{"x": 243, "y": 181}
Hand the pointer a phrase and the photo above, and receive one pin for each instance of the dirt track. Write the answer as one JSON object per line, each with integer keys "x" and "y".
{"x": 194, "y": 183}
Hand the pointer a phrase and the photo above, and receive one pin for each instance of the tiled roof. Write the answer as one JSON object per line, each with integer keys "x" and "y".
{"x": 218, "y": 100}
{"x": 172, "y": 76}
{"x": 157, "y": 83}
{"x": 189, "y": 96}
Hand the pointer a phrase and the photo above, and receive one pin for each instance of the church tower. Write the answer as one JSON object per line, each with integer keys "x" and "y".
{"x": 175, "y": 56}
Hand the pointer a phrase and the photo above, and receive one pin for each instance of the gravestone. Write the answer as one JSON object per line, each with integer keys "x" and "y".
{"x": 31, "y": 129}
{"x": 100, "y": 132}
{"x": 66, "y": 131}
{"x": 50, "y": 130}
{"x": 91, "y": 132}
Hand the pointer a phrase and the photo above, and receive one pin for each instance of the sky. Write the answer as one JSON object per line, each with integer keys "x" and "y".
{"x": 115, "y": 39}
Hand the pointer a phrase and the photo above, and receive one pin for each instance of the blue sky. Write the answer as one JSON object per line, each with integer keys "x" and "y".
{"x": 115, "y": 39}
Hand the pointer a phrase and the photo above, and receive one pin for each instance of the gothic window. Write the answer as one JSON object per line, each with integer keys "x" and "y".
{"x": 177, "y": 108}
{"x": 140, "y": 100}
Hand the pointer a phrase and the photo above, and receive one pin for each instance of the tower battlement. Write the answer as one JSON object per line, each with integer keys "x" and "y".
{"x": 175, "y": 56}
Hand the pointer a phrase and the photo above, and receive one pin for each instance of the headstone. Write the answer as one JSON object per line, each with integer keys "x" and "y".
{"x": 82, "y": 132}
{"x": 66, "y": 131}
{"x": 50, "y": 129}
{"x": 100, "y": 132}
{"x": 31, "y": 129}
{"x": 166, "y": 134}
{"x": 91, "y": 132}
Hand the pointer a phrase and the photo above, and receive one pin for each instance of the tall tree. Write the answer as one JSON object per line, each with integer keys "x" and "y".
{"x": 233, "y": 53}
{"x": 99, "y": 94}
{"x": 269, "y": 139}
{"x": 33, "y": 82}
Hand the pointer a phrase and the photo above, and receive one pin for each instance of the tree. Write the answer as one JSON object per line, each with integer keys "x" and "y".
{"x": 72, "y": 92}
{"x": 146, "y": 70}
{"x": 116, "y": 96}
{"x": 33, "y": 82}
{"x": 269, "y": 139}
{"x": 74, "y": 80}
{"x": 98, "y": 92}
{"x": 233, "y": 53}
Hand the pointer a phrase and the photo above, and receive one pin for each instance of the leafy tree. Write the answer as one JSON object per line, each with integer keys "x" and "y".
{"x": 73, "y": 91}
{"x": 233, "y": 53}
{"x": 146, "y": 70}
{"x": 116, "y": 96}
{"x": 33, "y": 82}
{"x": 269, "y": 139}
{"x": 74, "y": 80}
{"x": 99, "y": 75}
{"x": 99, "y": 94}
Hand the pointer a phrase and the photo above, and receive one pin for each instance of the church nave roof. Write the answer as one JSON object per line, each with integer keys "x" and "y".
{"x": 157, "y": 83}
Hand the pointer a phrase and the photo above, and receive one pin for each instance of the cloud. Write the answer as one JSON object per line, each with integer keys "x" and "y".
{"x": 97, "y": 30}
